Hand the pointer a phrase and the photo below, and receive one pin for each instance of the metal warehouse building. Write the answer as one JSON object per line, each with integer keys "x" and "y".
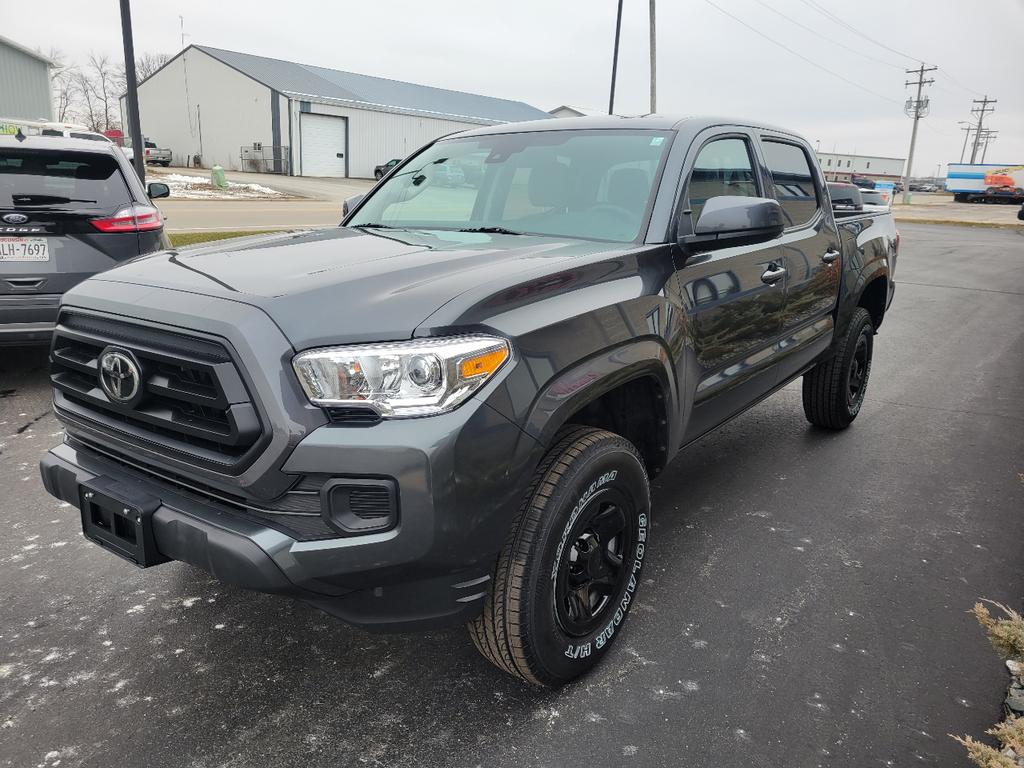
{"x": 247, "y": 112}
{"x": 24, "y": 83}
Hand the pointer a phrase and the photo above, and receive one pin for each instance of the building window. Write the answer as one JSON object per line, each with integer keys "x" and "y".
{"x": 830, "y": 161}
{"x": 868, "y": 165}
{"x": 847, "y": 163}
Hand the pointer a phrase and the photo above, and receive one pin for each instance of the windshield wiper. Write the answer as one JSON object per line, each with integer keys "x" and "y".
{"x": 491, "y": 230}
{"x": 23, "y": 199}
{"x": 372, "y": 225}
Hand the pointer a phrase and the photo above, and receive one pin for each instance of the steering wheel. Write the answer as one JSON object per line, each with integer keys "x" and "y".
{"x": 624, "y": 215}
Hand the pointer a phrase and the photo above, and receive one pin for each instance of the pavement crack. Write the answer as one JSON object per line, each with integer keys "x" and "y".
{"x": 962, "y": 411}
{"x": 961, "y": 288}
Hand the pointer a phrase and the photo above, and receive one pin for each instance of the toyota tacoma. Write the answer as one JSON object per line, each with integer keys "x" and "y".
{"x": 448, "y": 409}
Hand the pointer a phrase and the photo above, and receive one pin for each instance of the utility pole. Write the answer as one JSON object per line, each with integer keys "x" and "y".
{"x": 967, "y": 128}
{"x": 134, "y": 125}
{"x": 988, "y": 136}
{"x": 980, "y": 112}
{"x": 615, "y": 60}
{"x": 654, "y": 62}
{"x": 916, "y": 109}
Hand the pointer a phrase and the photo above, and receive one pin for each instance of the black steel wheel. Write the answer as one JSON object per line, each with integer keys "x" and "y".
{"x": 567, "y": 576}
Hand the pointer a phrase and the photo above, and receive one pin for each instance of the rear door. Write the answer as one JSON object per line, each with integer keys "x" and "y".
{"x": 809, "y": 249}
{"x": 735, "y": 316}
{"x": 47, "y": 199}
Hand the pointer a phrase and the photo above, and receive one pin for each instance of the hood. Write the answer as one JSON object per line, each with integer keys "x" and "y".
{"x": 343, "y": 285}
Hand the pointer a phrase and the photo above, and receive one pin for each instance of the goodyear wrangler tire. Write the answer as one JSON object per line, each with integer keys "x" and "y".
{"x": 568, "y": 574}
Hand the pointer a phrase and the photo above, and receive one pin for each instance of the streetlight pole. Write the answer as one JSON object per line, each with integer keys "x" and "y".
{"x": 654, "y": 62}
{"x": 134, "y": 124}
{"x": 615, "y": 60}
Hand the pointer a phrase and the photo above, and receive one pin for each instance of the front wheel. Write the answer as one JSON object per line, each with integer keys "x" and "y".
{"x": 378, "y": 175}
{"x": 834, "y": 389}
{"x": 568, "y": 574}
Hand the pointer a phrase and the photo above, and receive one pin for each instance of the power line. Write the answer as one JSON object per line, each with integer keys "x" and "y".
{"x": 812, "y": 4}
{"x": 818, "y": 34}
{"x": 799, "y": 55}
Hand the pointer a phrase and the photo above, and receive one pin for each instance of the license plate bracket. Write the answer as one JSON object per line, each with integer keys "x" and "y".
{"x": 119, "y": 517}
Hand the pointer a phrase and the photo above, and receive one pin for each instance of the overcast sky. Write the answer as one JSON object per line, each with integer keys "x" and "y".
{"x": 552, "y": 52}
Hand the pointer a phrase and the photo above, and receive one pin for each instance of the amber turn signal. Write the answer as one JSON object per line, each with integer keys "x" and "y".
{"x": 484, "y": 364}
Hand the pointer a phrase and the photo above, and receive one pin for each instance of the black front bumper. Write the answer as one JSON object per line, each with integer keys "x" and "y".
{"x": 247, "y": 554}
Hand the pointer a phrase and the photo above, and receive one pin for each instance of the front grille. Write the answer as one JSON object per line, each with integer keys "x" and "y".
{"x": 193, "y": 405}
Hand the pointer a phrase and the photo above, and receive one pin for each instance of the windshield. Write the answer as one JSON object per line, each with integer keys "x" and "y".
{"x": 574, "y": 183}
{"x": 32, "y": 178}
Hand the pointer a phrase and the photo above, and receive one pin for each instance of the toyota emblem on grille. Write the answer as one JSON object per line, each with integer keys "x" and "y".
{"x": 120, "y": 376}
{"x": 15, "y": 218}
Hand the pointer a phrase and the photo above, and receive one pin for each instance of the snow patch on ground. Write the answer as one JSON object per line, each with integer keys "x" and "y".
{"x": 199, "y": 188}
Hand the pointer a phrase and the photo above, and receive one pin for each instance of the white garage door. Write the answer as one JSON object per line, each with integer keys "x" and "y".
{"x": 323, "y": 145}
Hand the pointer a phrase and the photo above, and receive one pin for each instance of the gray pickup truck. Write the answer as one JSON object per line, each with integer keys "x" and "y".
{"x": 448, "y": 410}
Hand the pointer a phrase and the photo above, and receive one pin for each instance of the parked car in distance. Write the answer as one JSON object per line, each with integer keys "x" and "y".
{"x": 69, "y": 208}
{"x": 845, "y": 197}
{"x": 151, "y": 153}
{"x": 862, "y": 182}
{"x": 449, "y": 409}
{"x": 873, "y": 200}
{"x": 380, "y": 171}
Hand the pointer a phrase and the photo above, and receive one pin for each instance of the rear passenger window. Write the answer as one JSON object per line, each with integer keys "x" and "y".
{"x": 793, "y": 181}
{"x": 722, "y": 167}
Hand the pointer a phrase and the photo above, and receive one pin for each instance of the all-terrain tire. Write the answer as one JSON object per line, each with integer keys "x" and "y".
{"x": 834, "y": 389}
{"x": 534, "y": 624}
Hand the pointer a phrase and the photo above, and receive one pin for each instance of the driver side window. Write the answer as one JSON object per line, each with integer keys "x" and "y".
{"x": 722, "y": 167}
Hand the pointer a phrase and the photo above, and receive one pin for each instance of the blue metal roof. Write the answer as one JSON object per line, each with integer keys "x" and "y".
{"x": 374, "y": 92}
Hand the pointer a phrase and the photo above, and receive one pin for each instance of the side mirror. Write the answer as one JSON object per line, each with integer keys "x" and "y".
{"x": 157, "y": 190}
{"x": 728, "y": 220}
{"x": 350, "y": 204}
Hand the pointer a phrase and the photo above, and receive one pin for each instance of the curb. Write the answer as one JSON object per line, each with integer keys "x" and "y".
{"x": 953, "y": 222}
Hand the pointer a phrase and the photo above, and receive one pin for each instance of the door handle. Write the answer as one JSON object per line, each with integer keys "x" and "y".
{"x": 830, "y": 256}
{"x": 773, "y": 274}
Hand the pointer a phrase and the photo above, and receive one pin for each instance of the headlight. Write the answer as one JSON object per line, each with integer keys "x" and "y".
{"x": 407, "y": 378}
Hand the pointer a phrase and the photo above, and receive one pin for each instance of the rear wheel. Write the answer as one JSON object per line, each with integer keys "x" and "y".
{"x": 566, "y": 578}
{"x": 834, "y": 389}
{"x": 378, "y": 175}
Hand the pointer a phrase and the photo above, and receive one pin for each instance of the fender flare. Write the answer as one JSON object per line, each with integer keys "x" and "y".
{"x": 590, "y": 378}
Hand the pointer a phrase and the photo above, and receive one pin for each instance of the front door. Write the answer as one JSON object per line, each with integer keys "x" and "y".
{"x": 733, "y": 301}
{"x": 809, "y": 249}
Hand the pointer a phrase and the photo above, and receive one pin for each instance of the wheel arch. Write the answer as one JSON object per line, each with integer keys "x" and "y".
{"x": 630, "y": 390}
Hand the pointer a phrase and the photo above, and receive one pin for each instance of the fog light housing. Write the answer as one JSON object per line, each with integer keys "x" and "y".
{"x": 355, "y": 506}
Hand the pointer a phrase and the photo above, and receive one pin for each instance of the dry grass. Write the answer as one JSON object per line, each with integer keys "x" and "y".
{"x": 1006, "y": 634}
{"x": 1010, "y": 733}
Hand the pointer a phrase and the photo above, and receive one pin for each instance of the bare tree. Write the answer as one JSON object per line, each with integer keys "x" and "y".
{"x": 103, "y": 80}
{"x": 65, "y": 91}
{"x": 148, "y": 63}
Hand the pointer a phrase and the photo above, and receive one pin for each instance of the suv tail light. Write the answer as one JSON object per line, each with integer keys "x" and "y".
{"x": 131, "y": 218}
{"x": 147, "y": 153}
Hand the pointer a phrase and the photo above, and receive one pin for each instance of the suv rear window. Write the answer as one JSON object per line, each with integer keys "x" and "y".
{"x": 60, "y": 179}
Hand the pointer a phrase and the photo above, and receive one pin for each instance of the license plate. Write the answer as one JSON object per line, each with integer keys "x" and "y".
{"x": 24, "y": 249}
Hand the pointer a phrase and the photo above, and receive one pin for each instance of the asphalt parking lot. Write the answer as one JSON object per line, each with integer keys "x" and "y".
{"x": 805, "y": 598}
